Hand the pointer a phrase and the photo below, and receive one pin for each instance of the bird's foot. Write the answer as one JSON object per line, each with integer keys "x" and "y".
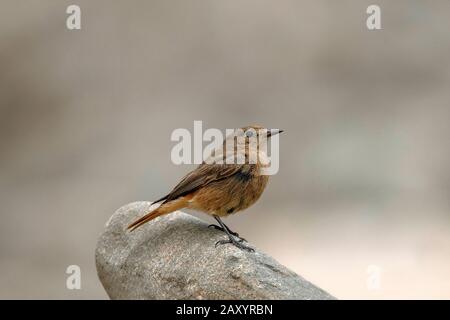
{"x": 229, "y": 231}
{"x": 215, "y": 226}
{"x": 238, "y": 244}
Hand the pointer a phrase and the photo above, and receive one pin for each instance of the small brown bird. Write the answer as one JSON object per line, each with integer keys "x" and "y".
{"x": 221, "y": 189}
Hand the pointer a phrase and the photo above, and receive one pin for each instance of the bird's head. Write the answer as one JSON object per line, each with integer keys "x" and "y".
{"x": 248, "y": 142}
{"x": 243, "y": 144}
{"x": 256, "y": 131}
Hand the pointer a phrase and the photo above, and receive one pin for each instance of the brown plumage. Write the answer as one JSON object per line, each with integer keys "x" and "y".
{"x": 219, "y": 189}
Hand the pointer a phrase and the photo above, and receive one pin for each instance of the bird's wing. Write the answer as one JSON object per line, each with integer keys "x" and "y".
{"x": 200, "y": 177}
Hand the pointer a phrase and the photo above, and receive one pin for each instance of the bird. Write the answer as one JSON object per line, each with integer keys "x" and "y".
{"x": 220, "y": 188}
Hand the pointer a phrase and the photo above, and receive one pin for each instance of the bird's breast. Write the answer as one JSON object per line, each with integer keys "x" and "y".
{"x": 252, "y": 191}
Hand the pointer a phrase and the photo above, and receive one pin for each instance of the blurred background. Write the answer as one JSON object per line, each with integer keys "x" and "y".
{"x": 364, "y": 183}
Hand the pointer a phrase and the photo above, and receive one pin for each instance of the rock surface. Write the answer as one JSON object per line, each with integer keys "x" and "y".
{"x": 174, "y": 257}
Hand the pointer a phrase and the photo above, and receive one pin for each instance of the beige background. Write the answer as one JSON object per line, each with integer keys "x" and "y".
{"x": 86, "y": 118}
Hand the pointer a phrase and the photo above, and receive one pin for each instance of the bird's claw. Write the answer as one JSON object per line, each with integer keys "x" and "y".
{"x": 235, "y": 243}
{"x": 231, "y": 232}
{"x": 214, "y": 226}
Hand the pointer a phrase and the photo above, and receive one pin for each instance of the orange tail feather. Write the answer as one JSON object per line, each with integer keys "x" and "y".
{"x": 165, "y": 208}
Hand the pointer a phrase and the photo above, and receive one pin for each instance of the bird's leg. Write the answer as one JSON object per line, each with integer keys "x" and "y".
{"x": 231, "y": 239}
{"x": 225, "y": 227}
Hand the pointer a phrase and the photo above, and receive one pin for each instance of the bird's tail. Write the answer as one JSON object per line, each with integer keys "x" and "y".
{"x": 165, "y": 208}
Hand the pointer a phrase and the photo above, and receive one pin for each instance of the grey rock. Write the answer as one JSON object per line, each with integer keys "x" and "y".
{"x": 174, "y": 257}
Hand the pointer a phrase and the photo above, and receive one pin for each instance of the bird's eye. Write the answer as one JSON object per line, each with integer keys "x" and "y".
{"x": 249, "y": 134}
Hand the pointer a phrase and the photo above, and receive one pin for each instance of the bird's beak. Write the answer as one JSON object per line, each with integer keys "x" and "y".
{"x": 272, "y": 132}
